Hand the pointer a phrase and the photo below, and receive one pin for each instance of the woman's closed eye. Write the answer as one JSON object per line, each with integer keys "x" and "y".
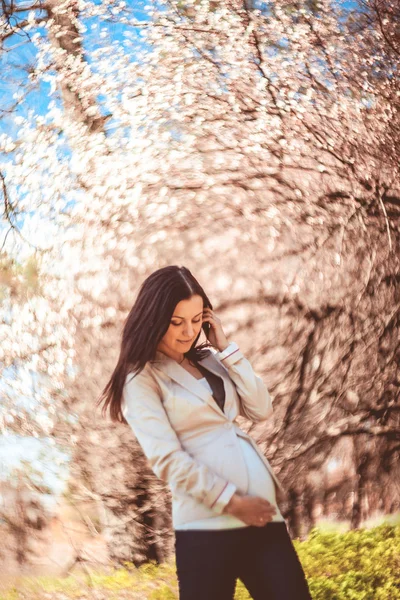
{"x": 177, "y": 324}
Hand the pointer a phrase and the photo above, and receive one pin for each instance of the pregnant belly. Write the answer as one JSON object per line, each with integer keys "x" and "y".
{"x": 260, "y": 481}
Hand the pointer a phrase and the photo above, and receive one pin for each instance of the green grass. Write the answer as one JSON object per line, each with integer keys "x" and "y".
{"x": 353, "y": 565}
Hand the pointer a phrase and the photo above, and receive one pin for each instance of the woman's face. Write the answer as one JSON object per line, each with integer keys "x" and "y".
{"x": 184, "y": 327}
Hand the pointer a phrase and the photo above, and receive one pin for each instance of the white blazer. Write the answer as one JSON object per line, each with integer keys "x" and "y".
{"x": 190, "y": 443}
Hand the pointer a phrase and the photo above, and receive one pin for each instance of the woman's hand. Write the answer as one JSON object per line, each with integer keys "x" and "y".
{"x": 216, "y": 335}
{"x": 252, "y": 510}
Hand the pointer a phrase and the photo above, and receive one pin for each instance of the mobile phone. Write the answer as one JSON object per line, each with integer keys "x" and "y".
{"x": 206, "y": 328}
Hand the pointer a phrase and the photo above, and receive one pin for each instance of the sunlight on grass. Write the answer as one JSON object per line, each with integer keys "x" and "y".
{"x": 355, "y": 565}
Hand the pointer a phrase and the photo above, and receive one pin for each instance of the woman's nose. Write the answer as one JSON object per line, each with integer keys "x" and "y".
{"x": 189, "y": 331}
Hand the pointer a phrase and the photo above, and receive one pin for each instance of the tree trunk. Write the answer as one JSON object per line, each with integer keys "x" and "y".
{"x": 81, "y": 107}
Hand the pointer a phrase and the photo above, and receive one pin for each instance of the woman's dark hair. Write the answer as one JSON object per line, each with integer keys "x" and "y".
{"x": 145, "y": 325}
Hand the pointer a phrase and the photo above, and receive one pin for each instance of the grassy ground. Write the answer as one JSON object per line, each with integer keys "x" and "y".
{"x": 354, "y": 565}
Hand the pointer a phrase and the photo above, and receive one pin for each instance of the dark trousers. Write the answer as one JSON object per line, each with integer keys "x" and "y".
{"x": 208, "y": 562}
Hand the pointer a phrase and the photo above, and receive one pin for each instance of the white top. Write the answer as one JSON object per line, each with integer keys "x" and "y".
{"x": 260, "y": 484}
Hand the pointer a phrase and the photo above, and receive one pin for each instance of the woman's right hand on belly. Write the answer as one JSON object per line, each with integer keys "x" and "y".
{"x": 252, "y": 510}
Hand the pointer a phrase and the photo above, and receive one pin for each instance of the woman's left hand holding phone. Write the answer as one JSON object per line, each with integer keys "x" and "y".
{"x": 216, "y": 335}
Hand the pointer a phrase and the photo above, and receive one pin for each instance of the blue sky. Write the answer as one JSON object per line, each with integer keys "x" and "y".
{"x": 20, "y": 53}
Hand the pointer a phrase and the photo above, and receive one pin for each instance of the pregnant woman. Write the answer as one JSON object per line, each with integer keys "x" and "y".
{"x": 181, "y": 400}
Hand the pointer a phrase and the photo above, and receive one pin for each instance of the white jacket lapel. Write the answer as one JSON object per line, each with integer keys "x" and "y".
{"x": 188, "y": 381}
